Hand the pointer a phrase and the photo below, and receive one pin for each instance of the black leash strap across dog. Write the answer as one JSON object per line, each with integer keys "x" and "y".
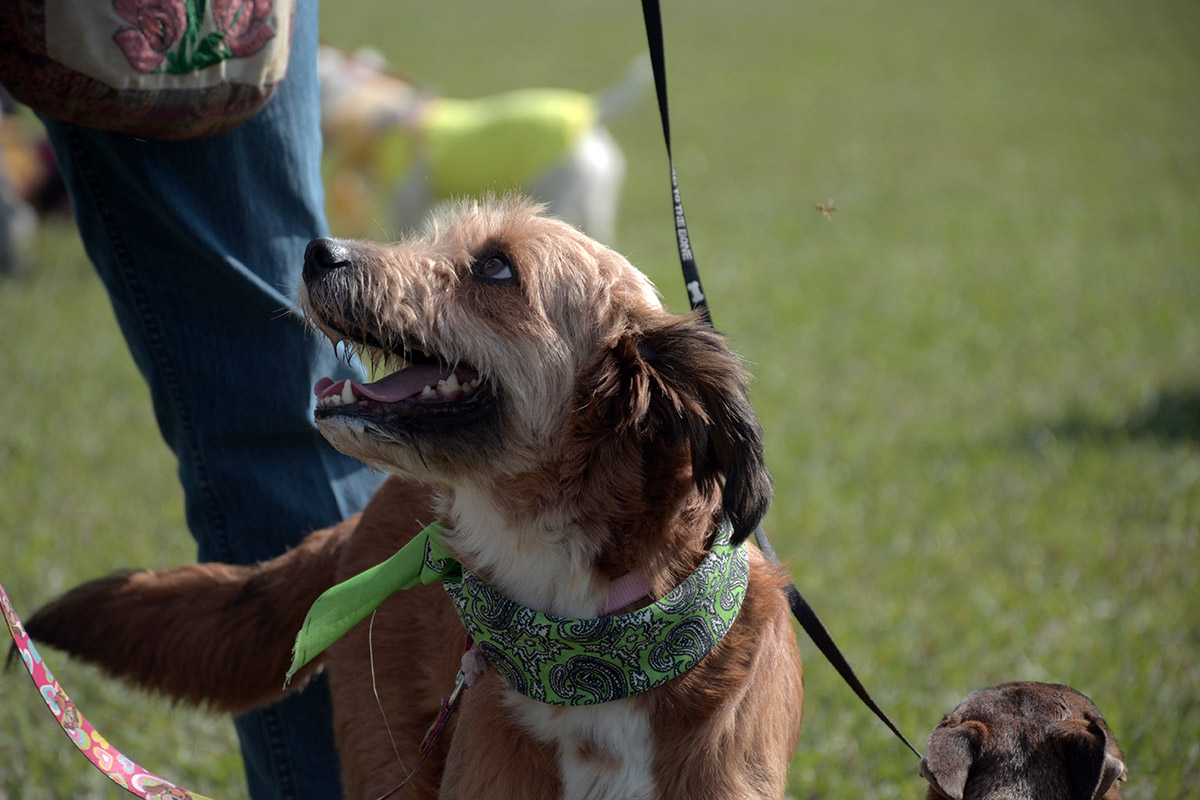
{"x": 691, "y": 275}
{"x": 803, "y": 612}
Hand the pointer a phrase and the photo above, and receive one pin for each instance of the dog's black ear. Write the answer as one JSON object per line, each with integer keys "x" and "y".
{"x": 1092, "y": 767}
{"x": 948, "y": 757}
{"x": 679, "y": 383}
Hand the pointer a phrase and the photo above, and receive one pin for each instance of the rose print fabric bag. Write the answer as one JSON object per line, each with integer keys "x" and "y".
{"x": 170, "y": 69}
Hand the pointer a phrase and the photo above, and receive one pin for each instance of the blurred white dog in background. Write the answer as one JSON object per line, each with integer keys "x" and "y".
{"x": 389, "y": 140}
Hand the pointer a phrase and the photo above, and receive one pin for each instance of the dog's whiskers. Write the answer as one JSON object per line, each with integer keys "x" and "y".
{"x": 365, "y": 356}
{"x": 416, "y": 445}
{"x": 382, "y": 229}
{"x": 285, "y": 311}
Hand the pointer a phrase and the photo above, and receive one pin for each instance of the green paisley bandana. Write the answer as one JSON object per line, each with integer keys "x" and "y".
{"x": 557, "y": 660}
{"x": 578, "y": 662}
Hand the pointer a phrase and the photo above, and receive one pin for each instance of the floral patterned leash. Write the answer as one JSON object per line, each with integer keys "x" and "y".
{"x": 104, "y": 757}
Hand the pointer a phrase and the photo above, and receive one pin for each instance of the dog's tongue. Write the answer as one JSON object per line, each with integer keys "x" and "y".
{"x": 395, "y": 387}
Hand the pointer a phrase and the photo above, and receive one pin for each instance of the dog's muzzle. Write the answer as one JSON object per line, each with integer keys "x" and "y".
{"x": 424, "y": 389}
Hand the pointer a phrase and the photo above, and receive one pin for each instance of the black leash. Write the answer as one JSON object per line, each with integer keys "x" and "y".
{"x": 803, "y": 612}
{"x": 691, "y": 275}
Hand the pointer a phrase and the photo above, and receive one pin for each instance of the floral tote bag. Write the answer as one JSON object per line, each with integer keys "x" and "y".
{"x": 159, "y": 68}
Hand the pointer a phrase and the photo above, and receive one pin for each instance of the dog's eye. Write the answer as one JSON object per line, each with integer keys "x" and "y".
{"x": 495, "y": 268}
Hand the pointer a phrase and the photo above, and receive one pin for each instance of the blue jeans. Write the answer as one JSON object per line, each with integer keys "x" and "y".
{"x": 200, "y": 245}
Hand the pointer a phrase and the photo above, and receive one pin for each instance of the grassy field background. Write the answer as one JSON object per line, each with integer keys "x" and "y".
{"x": 980, "y": 382}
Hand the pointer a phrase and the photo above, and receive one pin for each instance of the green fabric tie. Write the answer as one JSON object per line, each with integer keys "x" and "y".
{"x": 423, "y": 560}
{"x": 557, "y": 660}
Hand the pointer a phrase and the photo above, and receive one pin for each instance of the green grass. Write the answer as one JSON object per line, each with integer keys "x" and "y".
{"x": 980, "y": 383}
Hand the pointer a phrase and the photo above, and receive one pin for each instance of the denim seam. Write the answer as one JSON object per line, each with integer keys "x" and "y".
{"x": 155, "y": 340}
{"x": 280, "y": 762}
{"x": 280, "y": 758}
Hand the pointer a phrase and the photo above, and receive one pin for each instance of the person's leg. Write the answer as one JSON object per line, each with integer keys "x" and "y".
{"x": 200, "y": 244}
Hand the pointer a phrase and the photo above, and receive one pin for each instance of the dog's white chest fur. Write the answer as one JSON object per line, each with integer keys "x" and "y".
{"x": 544, "y": 566}
{"x": 605, "y": 752}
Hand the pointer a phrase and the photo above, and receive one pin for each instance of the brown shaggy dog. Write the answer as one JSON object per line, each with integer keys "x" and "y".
{"x": 1024, "y": 741}
{"x": 573, "y": 434}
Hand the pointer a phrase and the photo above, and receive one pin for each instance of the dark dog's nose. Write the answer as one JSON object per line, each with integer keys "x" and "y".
{"x": 323, "y": 255}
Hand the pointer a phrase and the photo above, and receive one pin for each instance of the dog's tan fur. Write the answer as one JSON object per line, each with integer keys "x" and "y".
{"x": 1024, "y": 741}
{"x": 615, "y": 437}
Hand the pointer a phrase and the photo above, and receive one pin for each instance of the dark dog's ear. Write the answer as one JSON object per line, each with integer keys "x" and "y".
{"x": 679, "y": 383}
{"x": 1087, "y": 749}
{"x": 948, "y": 757}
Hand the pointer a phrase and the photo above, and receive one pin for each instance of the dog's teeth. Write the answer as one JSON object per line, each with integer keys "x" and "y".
{"x": 347, "y": 394}
{"x": 450, "y": 386}
{"x": 428, "y": 391}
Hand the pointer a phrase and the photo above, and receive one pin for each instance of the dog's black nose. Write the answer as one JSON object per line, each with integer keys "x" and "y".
{"x": 323, "y": 255}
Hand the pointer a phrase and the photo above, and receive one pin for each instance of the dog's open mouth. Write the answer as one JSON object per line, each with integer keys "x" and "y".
{"x": 424, "y": 386}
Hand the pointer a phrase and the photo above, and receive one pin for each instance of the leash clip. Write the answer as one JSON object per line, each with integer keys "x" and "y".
{"x": 452, "y": 701}
{"x": 471, "y": 670}
{"x": 449, "y": 706}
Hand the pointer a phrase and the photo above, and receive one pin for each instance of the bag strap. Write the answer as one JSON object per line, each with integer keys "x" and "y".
{"x": 801, "y": 610}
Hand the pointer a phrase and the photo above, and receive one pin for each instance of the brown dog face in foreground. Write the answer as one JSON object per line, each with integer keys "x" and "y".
{"x": 546, "y": 395}
{"x": 574, "y": 433}
{"x": 1023, "y": 741}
